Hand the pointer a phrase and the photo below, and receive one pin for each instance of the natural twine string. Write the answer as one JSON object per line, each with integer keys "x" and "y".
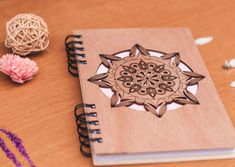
{"x": 26, "y": 34}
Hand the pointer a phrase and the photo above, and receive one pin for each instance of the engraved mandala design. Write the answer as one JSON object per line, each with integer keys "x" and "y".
{"x": 147, "y": 80}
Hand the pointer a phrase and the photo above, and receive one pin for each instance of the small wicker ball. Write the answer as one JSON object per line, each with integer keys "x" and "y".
{"x": 26, "y": 34}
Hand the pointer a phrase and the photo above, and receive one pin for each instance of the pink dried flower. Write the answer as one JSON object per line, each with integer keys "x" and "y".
{"x": 18, "y": 68}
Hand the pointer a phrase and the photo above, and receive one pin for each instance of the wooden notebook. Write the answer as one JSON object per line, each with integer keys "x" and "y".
{"x": 147, "y": 96}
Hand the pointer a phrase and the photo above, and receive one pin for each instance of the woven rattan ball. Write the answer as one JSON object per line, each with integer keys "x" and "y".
{"x": 26, "y": 34}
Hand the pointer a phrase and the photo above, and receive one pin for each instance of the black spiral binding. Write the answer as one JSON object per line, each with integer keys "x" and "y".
{"x": 74, "y": 49}
{"x": 83, "y": 130}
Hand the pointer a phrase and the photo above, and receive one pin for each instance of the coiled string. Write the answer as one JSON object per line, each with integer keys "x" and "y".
{"x": 18, "y": 144}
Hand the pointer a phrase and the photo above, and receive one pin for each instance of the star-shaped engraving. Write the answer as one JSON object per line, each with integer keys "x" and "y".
{"x": 142, "y": 79}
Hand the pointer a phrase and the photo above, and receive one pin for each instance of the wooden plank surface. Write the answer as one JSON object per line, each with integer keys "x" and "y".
{"x": 40, "y": 111}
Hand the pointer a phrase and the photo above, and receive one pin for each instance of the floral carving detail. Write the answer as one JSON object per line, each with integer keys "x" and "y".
{"x": 147, "y": 80}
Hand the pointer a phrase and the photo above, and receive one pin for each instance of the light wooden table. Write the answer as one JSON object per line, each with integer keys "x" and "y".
{"x": 40, "y": 111}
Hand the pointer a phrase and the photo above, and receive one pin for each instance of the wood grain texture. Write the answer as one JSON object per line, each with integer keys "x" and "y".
{"x": 124, "y": 130}
{"x": 40, "y": 111}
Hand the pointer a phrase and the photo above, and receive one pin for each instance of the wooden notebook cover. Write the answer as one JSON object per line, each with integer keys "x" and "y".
{"x": 191, "y": 127}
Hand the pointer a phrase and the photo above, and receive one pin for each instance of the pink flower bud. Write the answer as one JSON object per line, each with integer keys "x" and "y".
{"x": 18, "y": 68}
